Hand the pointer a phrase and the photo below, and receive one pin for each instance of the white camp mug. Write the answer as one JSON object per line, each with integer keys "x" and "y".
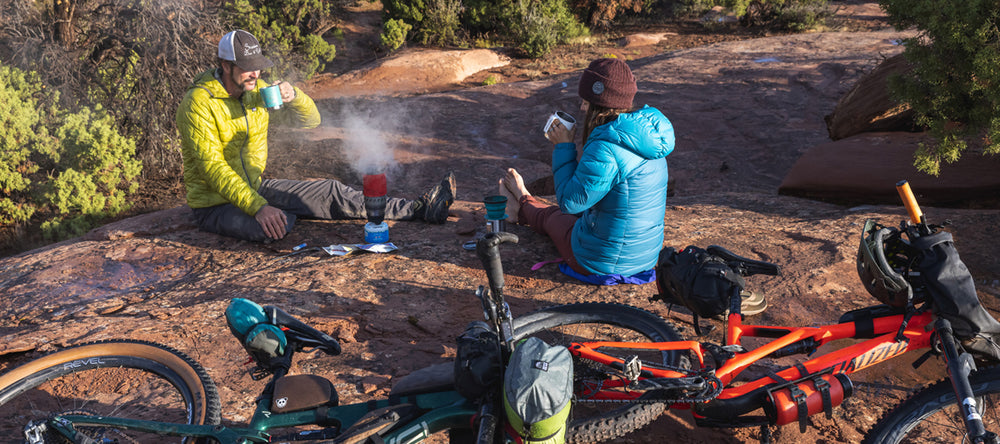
{"x": 567, "y": 121}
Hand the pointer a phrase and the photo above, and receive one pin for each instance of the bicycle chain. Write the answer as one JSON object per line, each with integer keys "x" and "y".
{"x": 100, "y": 438}
{"x": 711, "y": 391}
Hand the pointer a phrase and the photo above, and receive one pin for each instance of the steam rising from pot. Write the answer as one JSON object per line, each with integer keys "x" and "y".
{"x": 365, "y": 141}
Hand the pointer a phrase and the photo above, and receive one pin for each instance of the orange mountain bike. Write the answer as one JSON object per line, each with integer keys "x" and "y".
{"x": 632, "y": 359}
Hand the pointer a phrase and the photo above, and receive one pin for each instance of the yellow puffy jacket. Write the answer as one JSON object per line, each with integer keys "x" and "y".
{"x": 224, "y": 141}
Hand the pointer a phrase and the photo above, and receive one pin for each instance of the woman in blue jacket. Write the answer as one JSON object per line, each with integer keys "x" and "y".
{"x": 609, "y": 222}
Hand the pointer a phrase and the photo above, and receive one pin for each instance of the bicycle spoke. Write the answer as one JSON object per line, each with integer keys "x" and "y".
{"x": 128, "y": 393}
{"x": 125, "y": 379}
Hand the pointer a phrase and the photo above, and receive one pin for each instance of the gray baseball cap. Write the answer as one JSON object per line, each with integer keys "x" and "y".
{"x": 243, "y": 49}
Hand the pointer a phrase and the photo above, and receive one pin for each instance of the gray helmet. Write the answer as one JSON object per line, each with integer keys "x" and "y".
{"x": 879, "y": 271}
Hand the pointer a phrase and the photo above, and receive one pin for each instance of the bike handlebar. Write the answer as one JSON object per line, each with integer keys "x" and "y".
{"x": 744, "y": 266}
{"x": 489, "y": 254}
{"x": 306, "y": 335}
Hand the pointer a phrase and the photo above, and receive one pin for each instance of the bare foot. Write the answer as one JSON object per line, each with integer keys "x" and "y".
{"x": 515, "y": 184}
{"x": 513, "y": 204}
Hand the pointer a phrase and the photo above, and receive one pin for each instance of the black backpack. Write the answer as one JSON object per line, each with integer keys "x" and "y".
{"x": 696, "y": 279}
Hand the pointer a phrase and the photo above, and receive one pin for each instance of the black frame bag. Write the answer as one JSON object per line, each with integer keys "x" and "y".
{"x": 698, "y": 280}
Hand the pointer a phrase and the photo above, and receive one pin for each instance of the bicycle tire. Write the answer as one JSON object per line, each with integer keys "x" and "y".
{"x": 931, "y": 415}
{"x": 564, "y": 324}
{"x": 123, "y": 378}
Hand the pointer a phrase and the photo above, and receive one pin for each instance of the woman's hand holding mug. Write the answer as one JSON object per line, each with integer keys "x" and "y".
{"x": 560, "y": 128}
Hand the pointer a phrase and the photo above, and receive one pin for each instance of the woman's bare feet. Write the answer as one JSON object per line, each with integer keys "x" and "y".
{"x": 513, "y": 204}
{"x": 515, "y": 184}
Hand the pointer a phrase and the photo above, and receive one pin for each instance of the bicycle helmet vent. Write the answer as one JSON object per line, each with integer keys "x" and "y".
{"x": 877, "y": 270}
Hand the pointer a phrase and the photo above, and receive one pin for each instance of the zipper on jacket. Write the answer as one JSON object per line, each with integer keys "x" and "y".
{"x": 246, "y": 145}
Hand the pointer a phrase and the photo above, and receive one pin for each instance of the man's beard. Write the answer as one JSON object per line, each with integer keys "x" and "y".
{"x": 246, "y": 85}
{"x": 249, "y": 84}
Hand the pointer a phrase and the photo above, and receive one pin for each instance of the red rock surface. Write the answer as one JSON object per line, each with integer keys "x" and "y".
{"x": 744, "y": 113}
{"x": 857, "y": 169}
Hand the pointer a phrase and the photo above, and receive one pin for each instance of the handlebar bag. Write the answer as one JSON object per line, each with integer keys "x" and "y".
{"x": 477, "y": 360}
{"x": 537, "y": 390}
{"x": 951, "y": 287}
{"x": 261, "y": 339}
{"x": 696, "y": 279}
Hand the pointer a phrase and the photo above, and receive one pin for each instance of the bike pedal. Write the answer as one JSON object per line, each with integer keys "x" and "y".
{"x": 257, "y": 373}
{"x": 734, "y": 348}
{"x": 633, "y": 368}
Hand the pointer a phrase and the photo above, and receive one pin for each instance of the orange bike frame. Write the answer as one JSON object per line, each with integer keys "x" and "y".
{"x": 882, "y": 347}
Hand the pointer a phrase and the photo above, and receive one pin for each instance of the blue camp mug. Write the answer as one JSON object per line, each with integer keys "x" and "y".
{"x": 496, "y": 207}
{"x": 271, "y": 96}
{"x": 496, "y": 213}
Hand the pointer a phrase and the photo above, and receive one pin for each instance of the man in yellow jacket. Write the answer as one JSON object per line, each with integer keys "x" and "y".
{"x": 223, "y": 125}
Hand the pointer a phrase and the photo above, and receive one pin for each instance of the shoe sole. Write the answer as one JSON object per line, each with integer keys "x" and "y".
{"x": 434, "y": 205}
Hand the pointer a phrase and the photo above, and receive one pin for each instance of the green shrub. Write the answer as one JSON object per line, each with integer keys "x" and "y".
{"x": 954, "y": 87}
{"x": 409, "y": 11}
{"x": 539, "y": 25}
{"x": 793, "y": 15}
{"x": 803, "y": 15}
{"x": 290, "y": 32}
{"x": 482, "y": 17}
{"x": 441, "y": 22}
{"x": 534, "y": 26}
{"x": 433, "y": 22}
{"x": 22, "y": 137}
{"x": 68, "y": 168}
{"x": 394, "y": 33}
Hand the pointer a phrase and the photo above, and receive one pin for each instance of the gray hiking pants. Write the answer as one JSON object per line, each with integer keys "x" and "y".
{"x": 307, "y": 199}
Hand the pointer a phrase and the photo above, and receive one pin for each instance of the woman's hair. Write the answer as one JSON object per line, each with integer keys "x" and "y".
{"x": 598, "y": 115}
{"x": 609, "y": 88}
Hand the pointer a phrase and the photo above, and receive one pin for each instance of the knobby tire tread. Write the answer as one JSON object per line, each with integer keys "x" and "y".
{"x": 630, "y": 417}
{"x": 891, "y": 427}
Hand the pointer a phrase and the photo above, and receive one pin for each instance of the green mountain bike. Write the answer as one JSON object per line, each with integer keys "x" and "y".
{"x": 128, "y": 391}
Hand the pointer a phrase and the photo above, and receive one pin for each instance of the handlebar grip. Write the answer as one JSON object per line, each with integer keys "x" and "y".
{"x": 910, "y": 202}
{"x": 489, "y": 254}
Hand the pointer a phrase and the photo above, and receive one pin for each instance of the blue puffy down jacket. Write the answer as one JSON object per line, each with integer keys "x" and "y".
{"x": 619, "y": 189}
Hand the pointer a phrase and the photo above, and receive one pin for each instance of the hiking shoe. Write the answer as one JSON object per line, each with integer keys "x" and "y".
{"x": 751, "y": 304}
{"x": 438, "y": 200}
{"x": 983, "y": 345}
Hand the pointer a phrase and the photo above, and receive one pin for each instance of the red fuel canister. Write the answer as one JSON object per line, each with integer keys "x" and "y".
{"x": 784, "y": 406}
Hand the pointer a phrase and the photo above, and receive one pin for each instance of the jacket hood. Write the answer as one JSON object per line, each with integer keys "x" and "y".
{"x": 646, "y": 132}
{"x": 207, "y": 81}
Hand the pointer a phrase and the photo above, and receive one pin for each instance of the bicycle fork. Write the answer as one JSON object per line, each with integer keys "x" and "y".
{"x": 960, "y": 366}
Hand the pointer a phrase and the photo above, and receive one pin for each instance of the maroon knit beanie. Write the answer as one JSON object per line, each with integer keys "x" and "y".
{"x": 608, "y": 83}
